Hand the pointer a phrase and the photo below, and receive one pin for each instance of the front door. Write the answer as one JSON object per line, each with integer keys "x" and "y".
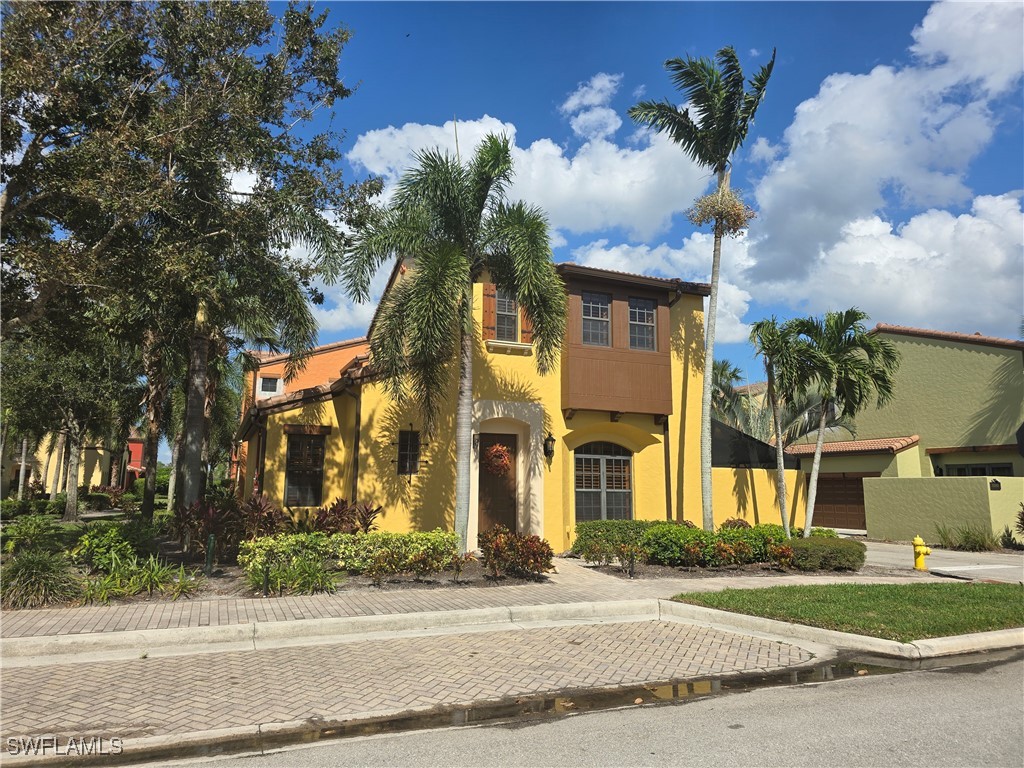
{"x": 497, "y": 482}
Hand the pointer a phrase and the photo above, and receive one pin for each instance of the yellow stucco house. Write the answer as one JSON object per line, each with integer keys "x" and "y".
{"x": 613, "y": 432}
{"x": 947, "y": 449}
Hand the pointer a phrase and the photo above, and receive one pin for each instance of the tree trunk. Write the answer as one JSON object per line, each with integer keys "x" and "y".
{"x": 812, "y": 486}
{"x": 209, "y": 401}
{"x": 156, "y": 390}
{"x": 115, "y": 467}
{"x": 22, "y": 468}
{"x": 780, "y": 456}
{"x": 172, "y": 482}
{"x": 464, "y": 424}
{"x": 65, "y": 465}
{"x": 709, "y": 360}
{"x": 191, "y": 447}
{"x": 74, "y": 454}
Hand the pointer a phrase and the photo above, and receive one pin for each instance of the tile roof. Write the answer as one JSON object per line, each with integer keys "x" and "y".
{"x": 701, "y": 289}
{"x": 879, "y": 445}
{"x": 265, "y": 358}
{"x": 963, "y": 338}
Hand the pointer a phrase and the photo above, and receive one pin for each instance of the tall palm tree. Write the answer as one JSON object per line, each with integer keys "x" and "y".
{"x": 723, "y": 110}
{"x": 451, "y": 222}
{"x": 786, "y": 359}
{"x": 851, "y": 367}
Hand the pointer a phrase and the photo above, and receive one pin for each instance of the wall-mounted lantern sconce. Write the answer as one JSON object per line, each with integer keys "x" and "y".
{"x": 549, "y": 446}
{"x": 995, "y": 485}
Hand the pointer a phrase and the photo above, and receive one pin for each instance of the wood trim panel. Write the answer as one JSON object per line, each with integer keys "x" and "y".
{"x": 616, "y": 378}
{"x": 490, "y": 327}
{"x": 971, "y": 449}
{"x": 307, "y": 429}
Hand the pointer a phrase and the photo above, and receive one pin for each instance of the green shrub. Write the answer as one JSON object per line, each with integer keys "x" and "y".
{"x": 58, "y": 505}
{"x": 827, "y": 554}
{"x": 163, "y": 480}
{"x": 677, "y": 545}
{"x": 734, "y": 522}
{"x": 35, "y": 577}
{"x": 95, "y": 502}
{"x": 32, "y": 532}
{"x": 139, "y": 488}
{"x": 269, "y": 553}
{"x": 967, "y": 538}
{"x": 308, "y": 576}
{"x": 185, "y": 584}
{"x": 13, "y": 508}
{"x": 1007, "y": 540}
{"x": 150, "y": 575}
{"x": 102, "y": 545}
{"x": 505, "y": 552}
{"x": 431, "y": 552}
{"x": 101, "y": 588}
{"x": 602, "y": 541}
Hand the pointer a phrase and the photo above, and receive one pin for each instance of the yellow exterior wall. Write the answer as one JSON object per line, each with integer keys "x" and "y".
{"x": 510, "y": 395}
{"x": 1004, "y": 504}
{"x": 751, "y": 495}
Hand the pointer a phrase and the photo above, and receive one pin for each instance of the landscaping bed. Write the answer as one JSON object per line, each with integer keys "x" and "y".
{"x": 763, "y": 570}
{"x": 902, "y": 612}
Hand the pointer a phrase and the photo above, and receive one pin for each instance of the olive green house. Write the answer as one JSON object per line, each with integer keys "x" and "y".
{"x": 947, "y": 449}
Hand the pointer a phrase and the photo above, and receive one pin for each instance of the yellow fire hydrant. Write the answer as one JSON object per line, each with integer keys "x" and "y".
{"x": 920, "y": 551}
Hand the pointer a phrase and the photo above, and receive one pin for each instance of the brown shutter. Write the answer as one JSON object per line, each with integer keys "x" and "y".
{"x": 490, "y": 311}
{"x": 526, "y": 334}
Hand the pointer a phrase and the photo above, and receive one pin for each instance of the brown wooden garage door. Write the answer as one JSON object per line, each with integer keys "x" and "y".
{"x": 840, "y": 501}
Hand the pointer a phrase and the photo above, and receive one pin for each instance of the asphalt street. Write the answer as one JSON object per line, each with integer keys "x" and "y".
{"x": 967, "y": 716}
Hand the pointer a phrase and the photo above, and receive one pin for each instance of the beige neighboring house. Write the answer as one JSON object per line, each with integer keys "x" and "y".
{"x": 946, "y": 450}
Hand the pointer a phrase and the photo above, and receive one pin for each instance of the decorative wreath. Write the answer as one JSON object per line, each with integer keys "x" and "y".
{"x": 498, "y": 459}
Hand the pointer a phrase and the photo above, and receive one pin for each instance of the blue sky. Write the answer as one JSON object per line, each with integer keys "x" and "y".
{"x": 885, "y": 164}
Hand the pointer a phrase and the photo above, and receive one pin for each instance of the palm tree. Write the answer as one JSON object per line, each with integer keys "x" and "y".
{"x": 786, "y": 359}
{"x": 724, "y": 109}
{"x": 451, "y": 222}
{"x": 851, "y": 367}
{"x": 724, "y": 398}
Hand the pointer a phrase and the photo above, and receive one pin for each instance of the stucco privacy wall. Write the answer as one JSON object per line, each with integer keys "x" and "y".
{"x": 751, "y": 495}
{"x": 900, "y": 508}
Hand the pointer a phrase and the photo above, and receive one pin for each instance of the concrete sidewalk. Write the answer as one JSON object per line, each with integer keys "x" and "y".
{"x": 306, "y": 668}
{"x": 984, "y": 566}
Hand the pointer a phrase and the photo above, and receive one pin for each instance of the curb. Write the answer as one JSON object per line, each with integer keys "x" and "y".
{"x": 260, "y": 635}
{"x": 1000, "y": 639}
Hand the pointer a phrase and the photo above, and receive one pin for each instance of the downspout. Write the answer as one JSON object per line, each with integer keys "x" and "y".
{"x": 668, "y": 470}
{"x": 355, "y": 441}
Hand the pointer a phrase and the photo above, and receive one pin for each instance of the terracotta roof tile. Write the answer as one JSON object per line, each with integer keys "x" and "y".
{"x": 963, "y": 338}
{"x": 702, "y": 289}
{"x": 879, "y": 445}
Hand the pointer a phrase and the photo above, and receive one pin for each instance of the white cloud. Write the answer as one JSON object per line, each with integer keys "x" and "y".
{"x": 639, "y": 92}
{"x": 911, "y": 132}
{"x": 599, "y": 186}
{"x": 597, "y": 92}
{"x": 763, "y": 151}
{"x": 980, "y": 40}
{"x": 959, "y": 273}
{"x": 597, "y": 123}
{"x": 339, "y": 313}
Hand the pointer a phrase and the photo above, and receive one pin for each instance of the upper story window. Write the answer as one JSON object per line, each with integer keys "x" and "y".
{"x": 641, "y": 323}
{"x": 979, "y": 470}
{"x": 506, "y": 316}
{"x": 304, "y": 471}
{"x": 408, "y": 452}
{"x": 268, "y": 385}
{"x": 597, "y": 312}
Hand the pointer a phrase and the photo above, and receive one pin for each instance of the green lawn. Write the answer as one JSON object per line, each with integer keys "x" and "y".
{"x": 903, "y": 612}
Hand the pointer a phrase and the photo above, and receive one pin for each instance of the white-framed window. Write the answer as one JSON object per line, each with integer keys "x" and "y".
{"x": 604, "y": 482}
{"x": 641, "y": 323}
{"x": 597, "y": 315}
{"x": 506, "y": 326}
{"x": 269, "y": 386}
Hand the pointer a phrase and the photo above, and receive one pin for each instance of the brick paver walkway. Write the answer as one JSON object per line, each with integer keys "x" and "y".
{"x": 572, "y": 584}
{"x": 176, "y": 695}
